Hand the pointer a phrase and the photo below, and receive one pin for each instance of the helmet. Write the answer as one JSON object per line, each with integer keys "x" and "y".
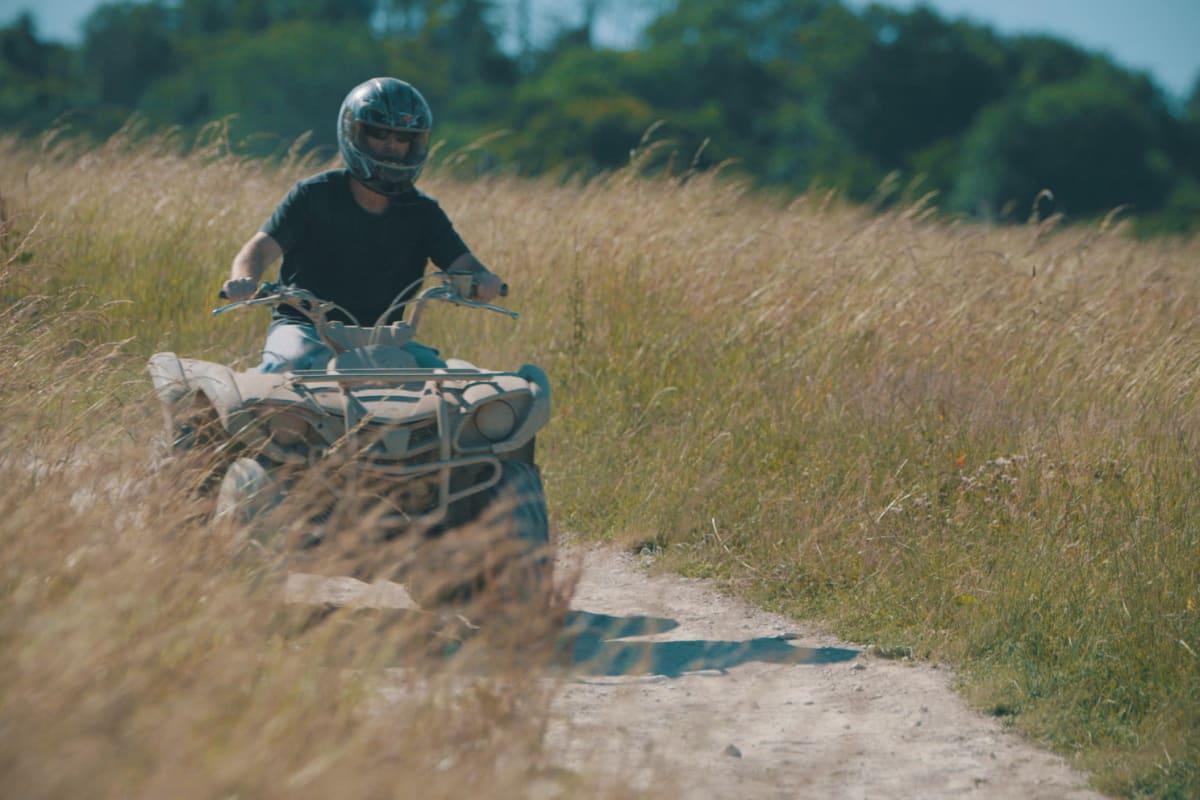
{"x": 395, "y": 106}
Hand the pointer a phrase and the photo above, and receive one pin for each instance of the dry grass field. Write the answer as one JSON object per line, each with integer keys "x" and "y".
{"x": 961, "y": 442}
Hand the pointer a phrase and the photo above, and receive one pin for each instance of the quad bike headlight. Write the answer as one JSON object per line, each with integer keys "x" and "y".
{"x": 495, "y": 420}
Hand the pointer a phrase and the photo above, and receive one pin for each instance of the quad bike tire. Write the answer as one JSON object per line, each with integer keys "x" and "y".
{"x": 520, "y": 494}
{"x": 505, "y": 547}
{"x": 246, "y": 491}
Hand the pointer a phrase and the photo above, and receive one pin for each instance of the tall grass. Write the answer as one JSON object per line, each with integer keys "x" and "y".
{"x": 971, "y": 443}
{"x": 145, "y": 649}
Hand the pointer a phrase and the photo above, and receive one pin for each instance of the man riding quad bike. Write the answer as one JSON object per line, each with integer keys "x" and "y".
{"x": 347, "y": 421}
{"x": 440, "y": 456}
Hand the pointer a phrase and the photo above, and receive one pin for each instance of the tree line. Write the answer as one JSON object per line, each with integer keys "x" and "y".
{"x": 880, "y": 104}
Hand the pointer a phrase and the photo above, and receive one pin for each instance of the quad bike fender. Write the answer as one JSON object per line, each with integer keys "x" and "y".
{"x": 539, "y": 412}
{"x": 171, "y": 385}
{"x": 170, "y": 382}
{"x": 180, "y": 381}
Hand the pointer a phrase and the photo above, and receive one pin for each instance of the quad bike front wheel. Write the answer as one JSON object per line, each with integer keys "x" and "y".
{"x": 519, "y": 495}
{"x": 501, "y": 557}
{"x": 246, "y": 491}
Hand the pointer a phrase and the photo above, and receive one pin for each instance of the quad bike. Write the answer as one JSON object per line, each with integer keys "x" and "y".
{"x": 440, "y": 456}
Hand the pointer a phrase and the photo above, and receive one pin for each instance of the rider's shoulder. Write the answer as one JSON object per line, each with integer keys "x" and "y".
{"x": 335, "y": 181}
{"x": 328, "y": 178}
{"x": 324, "y": 189}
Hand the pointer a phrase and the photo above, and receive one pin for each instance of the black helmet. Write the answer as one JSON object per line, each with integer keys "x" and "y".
{"x": 393, "y": 105}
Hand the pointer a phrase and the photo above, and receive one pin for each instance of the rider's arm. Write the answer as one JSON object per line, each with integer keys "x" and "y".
{"x": 487, "y": 283}
{"x": 249, "y": 265}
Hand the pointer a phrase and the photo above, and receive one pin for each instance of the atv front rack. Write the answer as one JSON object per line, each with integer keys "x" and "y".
{"x": 392, "y": 375}
{"x": 347, "y": 379}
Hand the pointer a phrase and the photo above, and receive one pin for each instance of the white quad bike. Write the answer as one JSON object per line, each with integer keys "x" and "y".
{"x": 444, "y": 456}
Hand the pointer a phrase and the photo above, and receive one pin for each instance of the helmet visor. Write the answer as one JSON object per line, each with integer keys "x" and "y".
{"x": 391, "y": 146}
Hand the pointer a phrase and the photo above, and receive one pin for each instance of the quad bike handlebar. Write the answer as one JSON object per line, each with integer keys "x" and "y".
{"x": 449, "y": 290}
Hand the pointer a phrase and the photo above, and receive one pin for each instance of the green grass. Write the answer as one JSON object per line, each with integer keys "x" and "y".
{"x": 979, "y": 443}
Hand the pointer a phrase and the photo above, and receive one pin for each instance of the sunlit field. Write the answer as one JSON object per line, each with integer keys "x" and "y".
{"x": 970, "y": 444}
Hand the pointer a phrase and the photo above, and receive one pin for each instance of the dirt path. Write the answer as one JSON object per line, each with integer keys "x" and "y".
{"x": 671, "y": 680}
{"x": 755, "y": 716}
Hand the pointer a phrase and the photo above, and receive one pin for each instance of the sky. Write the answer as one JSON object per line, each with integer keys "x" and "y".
{"x": 1161, "y": 37}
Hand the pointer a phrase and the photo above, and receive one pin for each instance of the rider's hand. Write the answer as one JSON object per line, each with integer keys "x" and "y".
{"x": 487, "y": 286}
{"x": 239, "y": 288}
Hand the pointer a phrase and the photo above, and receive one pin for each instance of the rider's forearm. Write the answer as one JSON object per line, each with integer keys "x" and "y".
{"x": 255, "y": 257}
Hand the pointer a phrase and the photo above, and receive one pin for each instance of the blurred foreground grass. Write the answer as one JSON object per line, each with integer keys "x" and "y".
{"x": 974, "y": 444}
{"x": 145, "y": 650}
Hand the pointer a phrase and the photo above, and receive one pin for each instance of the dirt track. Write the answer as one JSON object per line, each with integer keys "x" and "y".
{"x": 755, "y": 716}
{"x": 669, "y": 679}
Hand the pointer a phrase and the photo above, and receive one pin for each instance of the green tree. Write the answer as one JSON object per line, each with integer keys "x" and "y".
{"x": 1187, "y": 149}
{"x": 464, "y": 41}
{"x": 270, "y": 83}
{"x": 206, "y": 17}
{"x": 1181, "y": 209}
{"x": 920, "y": 81}
{"x": 214, "y": 17}
{"x": 575, "y": 115}
{"x": 450, "y": 49}
{"x": 21, "y": 50}
{"x": 1090, "y": 142}
{"x": 126, "y": 47}
{"x": 810, "y": 91}
{"x": 402, "y": 19}
{"x": 1036, "y": 60}
{"x": 721, "y": 70}
{"x": 38, "y": 81}
{"x": 289, "y": 78}
{"x": 335, "y": 12}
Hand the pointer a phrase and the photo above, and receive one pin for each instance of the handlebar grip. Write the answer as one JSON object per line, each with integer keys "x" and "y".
{"x": 473, "y": 295}
{"x": 262, "y": 290}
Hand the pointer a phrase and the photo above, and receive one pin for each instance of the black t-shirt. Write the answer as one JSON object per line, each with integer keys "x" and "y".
{"x": 361, "y": 261}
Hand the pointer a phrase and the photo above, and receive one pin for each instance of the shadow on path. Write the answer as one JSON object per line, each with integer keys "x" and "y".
{"x": 588, "y": 646}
